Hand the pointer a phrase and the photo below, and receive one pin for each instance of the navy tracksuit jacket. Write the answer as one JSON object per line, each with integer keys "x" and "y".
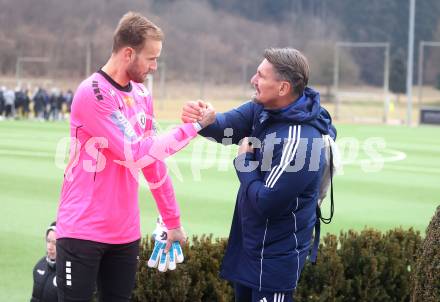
{"x": 275, "y": 211}
{"x": 45, "y": 284}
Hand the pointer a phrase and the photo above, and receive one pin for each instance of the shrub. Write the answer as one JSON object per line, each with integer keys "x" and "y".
{"x": 426, "y": 277}
{"x": 356, "y": 266}
{"x": 365, "y": 266}
{"x": 194, "y": 280}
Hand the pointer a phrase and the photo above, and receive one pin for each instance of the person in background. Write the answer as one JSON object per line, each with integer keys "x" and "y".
{"x": 9, "y": 97}
{"x": 40, "y": 100}
{"x": 68, "y": 97}
{"x": 2, "y": 102}
{"x": 44, "y": 273}
{"x": 26, "y": 103}
{"x": 20, "y": 99}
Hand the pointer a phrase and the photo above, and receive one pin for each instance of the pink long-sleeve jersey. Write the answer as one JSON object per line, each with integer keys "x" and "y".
{"x": 112, "y": 138}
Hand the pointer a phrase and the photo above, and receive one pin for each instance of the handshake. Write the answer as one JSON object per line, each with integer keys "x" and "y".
{"x": 198, "y": 111}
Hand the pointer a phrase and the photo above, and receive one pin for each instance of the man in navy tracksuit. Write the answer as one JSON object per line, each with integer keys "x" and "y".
{"x": 280, "y": 166}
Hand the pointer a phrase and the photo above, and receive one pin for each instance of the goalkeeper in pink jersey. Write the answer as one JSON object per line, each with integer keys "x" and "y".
{"x": 113, "y": 139}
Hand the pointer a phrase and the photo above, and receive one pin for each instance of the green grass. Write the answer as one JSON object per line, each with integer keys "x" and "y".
{"x": 402, "y": 193}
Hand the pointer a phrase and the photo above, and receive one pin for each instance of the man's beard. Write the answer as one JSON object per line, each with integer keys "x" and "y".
{"x": 134, "y": 74}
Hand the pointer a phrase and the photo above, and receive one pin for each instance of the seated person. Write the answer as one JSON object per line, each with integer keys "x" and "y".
{"x": 45, "y": 284}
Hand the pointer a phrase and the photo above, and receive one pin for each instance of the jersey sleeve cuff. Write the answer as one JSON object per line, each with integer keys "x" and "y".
{"x": 172, "y": 223}
{"x": 197, "y": 126}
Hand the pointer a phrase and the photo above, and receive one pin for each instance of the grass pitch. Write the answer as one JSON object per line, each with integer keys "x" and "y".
{"x": 393, "y": 179}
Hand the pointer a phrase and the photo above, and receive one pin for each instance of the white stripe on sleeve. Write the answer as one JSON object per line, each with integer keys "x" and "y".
{"x": 290, "y": 157}
{"x": 286, "y": 150}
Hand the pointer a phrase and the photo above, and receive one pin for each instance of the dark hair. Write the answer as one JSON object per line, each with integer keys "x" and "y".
{"x": 290, "y": 65}
{"x": 51, "y": 227}
{"x": 133, "y": 30}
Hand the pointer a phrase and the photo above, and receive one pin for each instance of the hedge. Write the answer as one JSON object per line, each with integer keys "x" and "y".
{"x": 194, "y": 280}
{"x": 354, "y": 266}
{"x": 426, "y": 276}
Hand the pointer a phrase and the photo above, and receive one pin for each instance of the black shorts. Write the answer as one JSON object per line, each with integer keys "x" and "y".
{"x": 82, "y": 266}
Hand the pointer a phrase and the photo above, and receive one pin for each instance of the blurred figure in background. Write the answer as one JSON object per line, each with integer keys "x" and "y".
{"x": 9, "y": 97}
{"x": 56, "y": 101}
{"x": 26, "y": 103}
{"x": 2, "y": 102}
{"x": 20, "y": 102}
{"x": 68, "y": 97}
{"x": 45, "y": 284}
{"x": 40, "y": 103}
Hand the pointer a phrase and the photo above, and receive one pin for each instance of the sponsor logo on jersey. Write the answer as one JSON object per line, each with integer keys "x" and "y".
{"x": 96, "y": 90}
{"x": 142, "y": 119}
{"x": 123, "y": 124}
{"x": 41, "y": 272}
{"x": 129, "y": 101}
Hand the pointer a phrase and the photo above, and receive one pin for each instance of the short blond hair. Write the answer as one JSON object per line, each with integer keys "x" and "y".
{"x": 134, "y": 30}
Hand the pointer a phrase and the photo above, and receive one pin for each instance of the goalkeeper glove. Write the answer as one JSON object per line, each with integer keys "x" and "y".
{"x": 164, "y": 261}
